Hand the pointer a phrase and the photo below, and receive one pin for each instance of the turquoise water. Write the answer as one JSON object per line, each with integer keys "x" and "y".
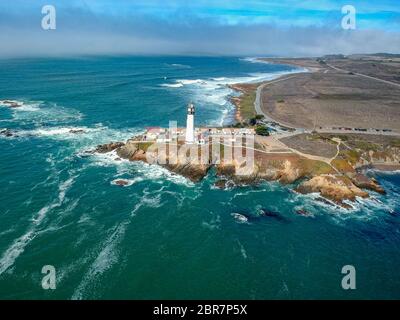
{"x": 163, "y": 236}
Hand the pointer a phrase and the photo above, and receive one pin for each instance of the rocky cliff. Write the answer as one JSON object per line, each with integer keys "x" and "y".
{"x": 315, "y": 176}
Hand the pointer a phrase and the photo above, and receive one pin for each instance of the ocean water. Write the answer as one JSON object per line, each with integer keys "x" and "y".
{"x": 163, "y": 237}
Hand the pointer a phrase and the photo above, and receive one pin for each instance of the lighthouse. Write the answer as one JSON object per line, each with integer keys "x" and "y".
{"x": 190, "y": 124}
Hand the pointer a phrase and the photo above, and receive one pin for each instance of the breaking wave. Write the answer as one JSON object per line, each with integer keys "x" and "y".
{"x": 108, "y": 253}
{"x": 39, "y": 112}
{"x": 216, "y": 91}
{"x": 17, "y": 248}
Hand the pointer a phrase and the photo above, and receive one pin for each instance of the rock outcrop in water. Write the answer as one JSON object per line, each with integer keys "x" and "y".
{"x": 11, "y": 103}
{"x": 364, "y": 182}
{"x": 105, "y": 148}
{"x": 318, "y": 176}
{"x": 335, "y": 188}
{"x": 7, "y": 133}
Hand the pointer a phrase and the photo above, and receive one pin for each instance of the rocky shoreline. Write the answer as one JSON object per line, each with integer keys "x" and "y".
{"x": 310, "y": 176}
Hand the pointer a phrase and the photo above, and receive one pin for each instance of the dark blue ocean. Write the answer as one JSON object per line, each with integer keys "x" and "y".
{"x": 163, "y": 237}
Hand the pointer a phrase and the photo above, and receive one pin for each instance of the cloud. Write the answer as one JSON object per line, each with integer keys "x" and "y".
{"x": 87, "y": 30}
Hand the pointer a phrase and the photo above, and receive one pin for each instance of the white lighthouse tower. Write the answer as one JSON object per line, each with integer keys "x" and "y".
{"x": 190, "y": 124}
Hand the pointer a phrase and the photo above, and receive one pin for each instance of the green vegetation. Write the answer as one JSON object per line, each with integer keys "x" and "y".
{"x": 314, "y": 167}
{"x": 258, "y": 146}
{"x": 352, "y": 155}
{"x": 144, "y": 145}
{"x": 253, "y": 121}
{"x": 221, "y": 151}
{"x": 262, "y": 131}
{"x": 239, "y": 125}
{"x": 247, "y": 105}
{"x": 320, "y": 137}
{"x": 342, "y": 165}
{"x": 396, "y": 143}
{"x": 280, "y": 100}
{"x": 365, "y": 145}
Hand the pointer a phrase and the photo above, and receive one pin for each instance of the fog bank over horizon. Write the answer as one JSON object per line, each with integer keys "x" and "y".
{"x": 82, "y": 30}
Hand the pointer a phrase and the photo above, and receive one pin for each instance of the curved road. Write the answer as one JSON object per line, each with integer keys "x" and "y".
{"x": 258, "y": 102}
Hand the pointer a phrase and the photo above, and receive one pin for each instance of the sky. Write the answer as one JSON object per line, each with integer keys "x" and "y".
{"x": 198, "y": 27}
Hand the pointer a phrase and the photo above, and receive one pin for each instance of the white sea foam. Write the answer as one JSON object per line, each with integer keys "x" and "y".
{"x": 66, "y": 132}
{"x": 142, "y": 170}
{"x": 12, "y": 253}
{"x": 172, "y": 85}
{"x": 109, "y": 159}
{"x": 82, "y": 138}
{"x": 63, "y": 188}
{"x": 39, "y": 112}
{"x": 17, "y": 248}
{"x": 155, "y": 172}
{"x": 105, "y": 259}
{"x": 216, "y": 91}
{"x": 179, "y": 65}
{"x": 254, "y": 60}
{"x": 363, "y": 209}
{"x": 213, "y": 224}
{"x": 242, "y": 250}
{"x": 127, "y": 182}
{"x": 108, "y": 253}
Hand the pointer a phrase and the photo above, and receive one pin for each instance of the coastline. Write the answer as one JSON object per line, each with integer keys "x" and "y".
{"x": 109, "y": 219}
{"x": 339, "y": 177}
{"x": 293, "y": 165}
{"x": 250, "y": 90}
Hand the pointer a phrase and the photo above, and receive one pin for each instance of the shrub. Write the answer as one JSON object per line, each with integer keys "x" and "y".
{"x": 253, "y": 121}
{"x": 262, "y": 131}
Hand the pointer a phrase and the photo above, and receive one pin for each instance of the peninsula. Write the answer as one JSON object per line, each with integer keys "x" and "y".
{"x": 318, "y": 130}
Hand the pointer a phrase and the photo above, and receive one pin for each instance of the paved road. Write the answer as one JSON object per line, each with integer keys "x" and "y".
{"x": 258, "y": 102}
{"x": 365, "y": 76}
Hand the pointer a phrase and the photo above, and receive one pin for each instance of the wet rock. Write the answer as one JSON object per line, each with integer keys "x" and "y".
{"x": 194, "y": 172}
{"x": 303, "y": 212}
{"x": 128, "y": 150}
{"x": 241, "y": 218}
{"x": 121, "y": 182}
{"x": 76, "y": 131}
{"x": 221, "y": 184}
{"x": 105, "y": 148}
{"x": 226, "y": 170}
{"x": 394, "y": 213}
{"x": 325, "y": 201}
{"x": 7, "y": 133}
{"x": 272, "y": 214}
{"x": 11, "y": 103}
{"x": 364, "y": 182}
{"x": 334, "y": 188}
{"x": 225, "y": 184}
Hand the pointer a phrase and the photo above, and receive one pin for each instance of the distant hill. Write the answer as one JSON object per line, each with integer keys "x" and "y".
{"x": 362, "y": 56}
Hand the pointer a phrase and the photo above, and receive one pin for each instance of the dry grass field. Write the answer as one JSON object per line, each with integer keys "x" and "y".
{"x": 331, "y": 98}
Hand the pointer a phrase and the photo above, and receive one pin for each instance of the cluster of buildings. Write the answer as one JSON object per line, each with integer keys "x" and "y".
{"x": 193, "y": 135}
